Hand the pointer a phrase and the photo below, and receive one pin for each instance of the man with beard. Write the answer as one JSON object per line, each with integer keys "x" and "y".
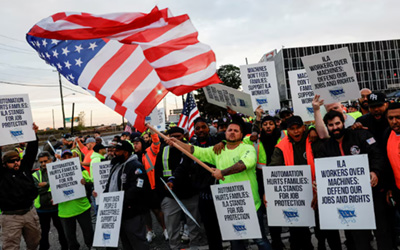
{"x": 128, "y": 174}
{"x": 168, "y": 161}
{"x": 297, "y": 149}
{"x": 235, "y": 163}
{"x": 375, "y": 121}
{"x": 363, "y": 101}
{"x": 17, "y": 193}
{"x": 352, "y": 142}
{"x": 264, "y": 145}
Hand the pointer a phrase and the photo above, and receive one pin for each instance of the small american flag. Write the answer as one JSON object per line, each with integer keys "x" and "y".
{"x": 189, "y": 114}
{"x": 128, "y": 61}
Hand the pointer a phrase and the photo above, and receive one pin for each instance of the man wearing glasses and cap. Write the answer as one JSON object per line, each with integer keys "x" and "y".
{"x": 17, "y": 193}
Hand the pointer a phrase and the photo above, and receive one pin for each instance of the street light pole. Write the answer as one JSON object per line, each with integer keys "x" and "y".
{"x": 62, "y": 99}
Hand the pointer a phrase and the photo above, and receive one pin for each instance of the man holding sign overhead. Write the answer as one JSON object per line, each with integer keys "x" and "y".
{"x": 17, "y": 193}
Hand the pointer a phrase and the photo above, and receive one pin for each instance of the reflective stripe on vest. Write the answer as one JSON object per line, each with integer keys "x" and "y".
{"x": 78, "y": 152}
{"x": 150, "y": 163}
{"x": 167, "y": 172}
{"x": 256, "y": 146}
{"x": 38, "y": 176}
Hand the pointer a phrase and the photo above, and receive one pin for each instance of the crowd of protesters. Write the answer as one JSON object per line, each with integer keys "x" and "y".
{"x": 236, "y": 149}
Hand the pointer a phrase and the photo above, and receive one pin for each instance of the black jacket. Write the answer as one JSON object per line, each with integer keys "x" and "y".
{"x": 202, "y": 179}
{"x": 183, "y": 182}
{"x": 358, "y": 142}
{"x": 375, "y": 127}
{"x": 17, "y": 189}
{"x": 135, "y": 183}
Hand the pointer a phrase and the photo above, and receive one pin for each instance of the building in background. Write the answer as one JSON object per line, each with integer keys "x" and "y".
{"x": 376, "y": 64}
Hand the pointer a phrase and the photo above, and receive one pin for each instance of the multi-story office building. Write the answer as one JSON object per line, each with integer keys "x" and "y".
{"x": 376, "y": 64}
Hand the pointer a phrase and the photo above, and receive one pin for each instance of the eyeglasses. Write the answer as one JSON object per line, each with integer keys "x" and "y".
{"x": 14, "y": 160}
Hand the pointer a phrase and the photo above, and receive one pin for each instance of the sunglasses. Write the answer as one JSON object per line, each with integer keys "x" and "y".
{"x": 14, "y": 160}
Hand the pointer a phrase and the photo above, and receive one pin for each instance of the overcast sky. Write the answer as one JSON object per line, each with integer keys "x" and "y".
{"x": 234, "y": 29}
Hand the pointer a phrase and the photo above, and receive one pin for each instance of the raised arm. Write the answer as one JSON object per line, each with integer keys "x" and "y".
{"x": 319, "y": 123}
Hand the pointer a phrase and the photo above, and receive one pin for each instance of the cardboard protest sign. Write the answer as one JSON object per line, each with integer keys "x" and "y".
{"x": 65, "y": 180}
{"x": 157, "y": 118}
{"x": 332, "y": 75}
{"x": 100, "y": 172}
{"x": 288, "y": 191}
{"x": 108, "y": 223}
{"x": 224, "y": 96}
{"x": 344, "y": 193}
{"x": 15, "y": 119}
{"x": 302, "y": 94}
{"x": 259, "y": 80}
{"x": 236, "y": 212}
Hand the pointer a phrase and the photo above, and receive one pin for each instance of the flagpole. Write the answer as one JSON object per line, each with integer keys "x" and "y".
{"x": 181, "y": 149}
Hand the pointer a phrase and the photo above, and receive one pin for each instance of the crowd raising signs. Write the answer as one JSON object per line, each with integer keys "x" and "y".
{"x": 332, "y": 75}
{"x": 288, "y": 191}
{"x": 344, "y": 192}
{"x": 15, "y": 119}
{"x": 236, "y": 211}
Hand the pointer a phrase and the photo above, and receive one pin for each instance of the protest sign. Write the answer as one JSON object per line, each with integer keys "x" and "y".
{"x": 344, "y": 192}
{"x": 288, "y": 191}
{"x": 332, "y": 75}
{"x": 302, "y": 94}
{"x": 108, "y": 222}
{"x": 157, "y": 118}
{"x": 65, "y": 180}
{"x": 15, "y": 119}
{"x": 224, "y": 96}
{"x": 236, "y": 212}
{"x": 259, "y": 80}
{"x": 100, "y": 172}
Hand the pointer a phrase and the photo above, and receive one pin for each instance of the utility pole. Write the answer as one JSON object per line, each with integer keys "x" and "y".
{"x": 72, "y": 122}
{"x": 62, "y": 99}
{"x": 54, "y": 124}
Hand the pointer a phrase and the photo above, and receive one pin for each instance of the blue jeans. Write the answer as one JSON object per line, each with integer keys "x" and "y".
{"x": 262, "y": 243}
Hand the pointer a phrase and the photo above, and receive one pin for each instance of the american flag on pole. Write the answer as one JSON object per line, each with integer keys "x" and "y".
{"x": 189, "y": 114}
{"x": 128, "y": 61}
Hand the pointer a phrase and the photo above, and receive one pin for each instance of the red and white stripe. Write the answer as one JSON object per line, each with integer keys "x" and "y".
{"x": 160, "y": 53}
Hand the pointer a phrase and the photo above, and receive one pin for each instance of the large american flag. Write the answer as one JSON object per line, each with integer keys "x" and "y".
{"x": 189, "y": 114}
{"x": 128, "y": 61}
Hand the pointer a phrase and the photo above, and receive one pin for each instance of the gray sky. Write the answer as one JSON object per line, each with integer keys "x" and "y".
{"x": 234, "y": 29}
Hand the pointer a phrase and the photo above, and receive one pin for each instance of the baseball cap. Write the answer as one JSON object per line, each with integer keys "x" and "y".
{"x": 66, "y": 152}
{"x": 294, "y": 120}
{"x": 66, "y": 136}
{"x": 10, "y": 155}
{"x": 175, "y": 129}
{"x": 376, "y": 99}
{"x": 124, "y": 145}
{"x": 88, "y": 140}
{"x": 125, "y": 133}
{"x": 284, "y": 110}
{"x": 97, "y": 147}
